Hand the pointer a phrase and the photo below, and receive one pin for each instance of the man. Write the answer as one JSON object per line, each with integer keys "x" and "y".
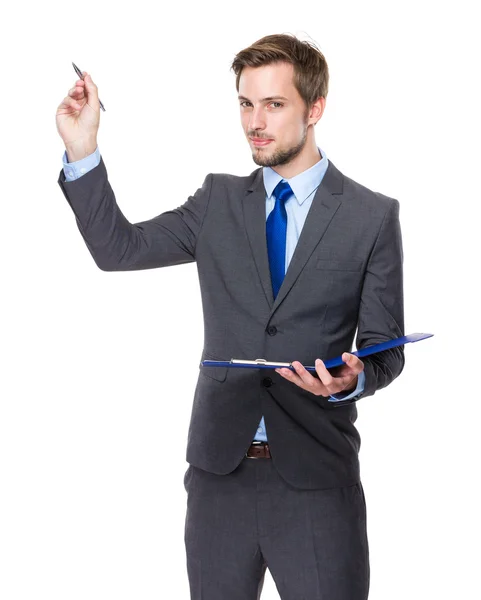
{"x": 292, "y": 259}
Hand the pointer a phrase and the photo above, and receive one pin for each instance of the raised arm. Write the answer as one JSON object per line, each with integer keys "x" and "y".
{"x": 118, "y": 245}
{"x": 114, "y": 243}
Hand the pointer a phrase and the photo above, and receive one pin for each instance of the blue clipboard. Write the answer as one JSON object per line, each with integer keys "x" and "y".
{"x": 261, "y": 363}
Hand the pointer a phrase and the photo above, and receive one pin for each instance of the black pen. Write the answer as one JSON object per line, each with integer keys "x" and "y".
{"x": 79, "y": 73}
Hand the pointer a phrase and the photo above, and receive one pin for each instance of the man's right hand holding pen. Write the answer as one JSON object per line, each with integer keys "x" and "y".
{"x": 78, "y": 119}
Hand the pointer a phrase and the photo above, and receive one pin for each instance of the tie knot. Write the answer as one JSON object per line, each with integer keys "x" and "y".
{"x": 282, "y": 191}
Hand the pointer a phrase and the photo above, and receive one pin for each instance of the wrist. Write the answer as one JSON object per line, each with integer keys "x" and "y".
{"x": 80, "y": 149}
{"x": 352, "y": 386}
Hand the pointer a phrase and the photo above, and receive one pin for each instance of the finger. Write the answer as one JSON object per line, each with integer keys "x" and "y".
{"x": 304, "y": 374}
{"x": 76, "y": 92}
{"x": 356, "y": 366}
{"x": 333, "y": 385}
{"x": 353, "y": 362}
{"x": 326, "y": 378}
{"x": 300, "y": 376}
{"x": 337, "y": 384}
{"x": 91, "y": 89}
{"x": 69, "y": 102}
{"x": 290, "y": 374}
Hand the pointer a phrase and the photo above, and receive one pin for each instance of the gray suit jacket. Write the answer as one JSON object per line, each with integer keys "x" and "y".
{"x": 345, "y": 274}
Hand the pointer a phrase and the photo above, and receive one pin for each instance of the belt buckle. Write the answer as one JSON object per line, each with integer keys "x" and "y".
{"x": 259, "y": 443}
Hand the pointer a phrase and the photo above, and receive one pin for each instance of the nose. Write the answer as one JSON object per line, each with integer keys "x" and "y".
{"x": 257, "y": 121}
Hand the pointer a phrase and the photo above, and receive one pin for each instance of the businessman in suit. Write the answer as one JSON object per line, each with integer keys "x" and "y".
{"x": 292, "y": 259}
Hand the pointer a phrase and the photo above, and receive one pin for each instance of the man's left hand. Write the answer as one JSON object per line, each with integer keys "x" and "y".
{"x": 342, "y": 378}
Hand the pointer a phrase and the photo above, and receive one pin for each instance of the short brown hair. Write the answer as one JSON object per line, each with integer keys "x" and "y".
{"x": 311, "y": 74}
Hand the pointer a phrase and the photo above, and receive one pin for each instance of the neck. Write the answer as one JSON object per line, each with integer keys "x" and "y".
{"x": 308, "y": 157}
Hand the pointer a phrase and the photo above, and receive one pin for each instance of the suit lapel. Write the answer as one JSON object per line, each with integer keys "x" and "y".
{"x": 323, "y": 208}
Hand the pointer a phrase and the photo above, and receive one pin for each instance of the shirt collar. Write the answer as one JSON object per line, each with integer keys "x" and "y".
{"x": 302, "y": 184}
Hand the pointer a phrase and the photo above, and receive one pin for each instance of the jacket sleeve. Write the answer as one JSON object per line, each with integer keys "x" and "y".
{"x": 118, "y": 245}
{"x": 381, "y": 312}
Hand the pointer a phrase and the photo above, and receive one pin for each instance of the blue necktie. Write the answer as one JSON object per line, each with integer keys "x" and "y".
{"x": 276, "y": 230}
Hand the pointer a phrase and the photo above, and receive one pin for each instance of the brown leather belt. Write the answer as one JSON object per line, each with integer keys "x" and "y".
{"x": 258, "y": 450}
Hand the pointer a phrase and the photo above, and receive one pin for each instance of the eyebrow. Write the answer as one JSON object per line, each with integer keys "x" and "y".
{"x": 265, "y": 99}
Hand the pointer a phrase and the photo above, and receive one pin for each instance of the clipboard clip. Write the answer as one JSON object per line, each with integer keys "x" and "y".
{"x": 261, "y": 361}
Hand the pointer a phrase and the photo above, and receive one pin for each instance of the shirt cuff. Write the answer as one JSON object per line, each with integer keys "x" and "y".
{"x": 361, "y": 378}
{"x": 74, "y": 170}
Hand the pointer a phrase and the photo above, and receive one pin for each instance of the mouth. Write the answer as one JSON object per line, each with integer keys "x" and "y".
{"x": 260, "y": 141}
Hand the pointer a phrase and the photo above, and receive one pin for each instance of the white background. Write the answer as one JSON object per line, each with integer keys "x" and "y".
{"x": 99, "y": 369}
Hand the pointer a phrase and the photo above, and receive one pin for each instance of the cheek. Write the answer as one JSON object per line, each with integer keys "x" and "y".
{"x": 292, "y": 129}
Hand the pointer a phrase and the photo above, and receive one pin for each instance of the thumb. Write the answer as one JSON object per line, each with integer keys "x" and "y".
{"x": 92, "y": 90}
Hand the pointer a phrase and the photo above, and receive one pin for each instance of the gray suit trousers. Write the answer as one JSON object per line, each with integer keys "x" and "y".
{"x": 314, "y": 542}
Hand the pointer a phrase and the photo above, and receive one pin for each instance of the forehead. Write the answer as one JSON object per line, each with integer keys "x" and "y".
{"x": 267, "y": 80}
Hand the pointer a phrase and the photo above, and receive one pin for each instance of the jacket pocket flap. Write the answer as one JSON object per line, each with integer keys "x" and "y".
{"x": 339, "y": 265}
{"x": 217, "y": 373}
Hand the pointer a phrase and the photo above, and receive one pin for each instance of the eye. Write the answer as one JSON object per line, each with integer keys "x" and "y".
{"x": 246, "y": 101}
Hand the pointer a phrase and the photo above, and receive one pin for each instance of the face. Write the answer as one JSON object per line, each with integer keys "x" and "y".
{"x": 272, "y": 109}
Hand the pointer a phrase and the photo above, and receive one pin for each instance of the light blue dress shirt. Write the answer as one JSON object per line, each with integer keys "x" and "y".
{"x": 304, "y": 186}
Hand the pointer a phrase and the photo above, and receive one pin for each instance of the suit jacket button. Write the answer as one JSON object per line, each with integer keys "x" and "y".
{"x": 267, "y": 381}
{"x": 272, "y": 330}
